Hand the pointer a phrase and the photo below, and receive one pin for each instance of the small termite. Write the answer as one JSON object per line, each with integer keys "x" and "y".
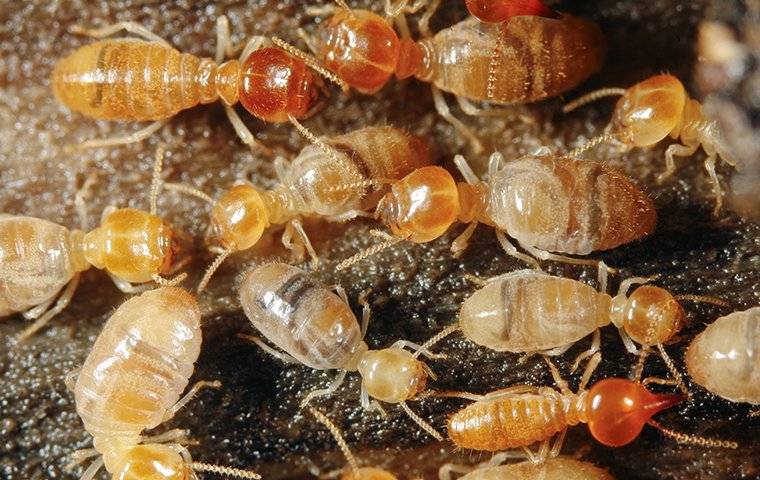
{"x": 147, "y": 79}
{"x": 593, "y": 207}
{"x": 40, "y": 260}
{"x": 539, "y": 57}
{"x": 316, "y": 328}
{"x": 132, "y": 380}
{"x": 724, "y": 358}
{"x": 354, "y": 471}
{"x": 558, "y": 468}
{"x": 338, "y": 182}
{"x": 615, "y": 409}
{"x": 650, "y": 111}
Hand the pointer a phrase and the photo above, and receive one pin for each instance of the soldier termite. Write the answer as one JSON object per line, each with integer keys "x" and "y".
{"x": 316, "y": 328}
{"x": 40, "y": 260}
{"x": 594, "y": 207}
{"x": 539, "y": 57}
{"x": 132, "y": 380}
{"x": 650, "y": 111}
{"x": 558, "y": 468}
{"x": 724, "y": 357}
{"x": 354, "y": 471}
{"x": 337, "y": 186}
{"x": 146, "y": 79}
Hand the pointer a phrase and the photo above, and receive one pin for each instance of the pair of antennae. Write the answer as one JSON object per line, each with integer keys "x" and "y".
{"x": 584, "y": 100}
{"x": 389, "y": 241}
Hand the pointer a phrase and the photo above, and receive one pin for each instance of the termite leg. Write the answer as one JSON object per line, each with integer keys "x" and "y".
{"x": 282, "y": 356}
{"x": 370, "y": 405}
{"x": 80, "y": 201}
{"x": 108, "y": 30}
{"x": 243, "y": 132}
{"x": 298, "y": 227}
{"x": 494, "y": 163}
{"x": 459, "y": 245}
{"x": 512, "y": 251}
{"x": 137, "y": 136}
{"x": 544, "y": 255}
{"x": 175, "y": 435}
{"x": 349, "y": 215}
{"x": 342, "y": 293}
{"x": 92, "y": 470}
{"x": 224, "y": 46}
{"x": 593, "y": 362}
{"x": 308, "y": 41}
{"x": 627, "y": 342}
{"x": 443, "y": 110}
{"x": 559, "y": 441}
{"x": 70, "y": 380}
{"x": 561, "y": 383}
{"x": 710, "y": 167}
{"x": 464, "y": 168}
{"x": 189, "y": 396}
{"x": 321, "y": 392}
{"x": 62, "y": 303}
{"x": 80, "y": 456}
{"x": 366, "y": 309}
{"x": 670, "y": 164}
{"x": 424, "y": 23}
{"x": 297, "y": 250}
{"x": 447, "y": 469}
{"x": 253, "y": 44}
{"x": 128, "y": 287}
{"x": 417, "y": 348}
{"x": 595, "y": 344}
{"x": 37, "y": 311}
{"x": 281, "y": 168}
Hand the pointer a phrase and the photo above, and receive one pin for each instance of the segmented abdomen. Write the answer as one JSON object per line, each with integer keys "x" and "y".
{"x": 539, "y": 58}
{"x": 130, "y": 79}
{"x": 139, "y": 364}
{"x": 562, "y": 204}
{"x": 301, "y": 316}
{"x": 37, "y": 258}
{"x": 531, "y": 311}
{"x": 551, "y": 469}
{"x": 511, "y": 422}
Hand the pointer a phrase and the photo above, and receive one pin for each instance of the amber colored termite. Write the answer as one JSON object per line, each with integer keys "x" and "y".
{"x": 557, "y": 468}
{"x": 654, "y": 109}
{"x": 594, "y": 207}
{"x": 40, "y": 260}
{"x": 724, "y": 358}
{"x": 338, "y": 180}
{"x": 315, "y": 327}
{"x": 131, "y": 381}
{"x": 147, "y": 79}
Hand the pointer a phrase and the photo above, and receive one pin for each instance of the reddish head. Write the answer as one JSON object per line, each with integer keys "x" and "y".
{"x": 617, "y": 409}
{"x": 275, "y": 84}
{"x": 498, "y": 11}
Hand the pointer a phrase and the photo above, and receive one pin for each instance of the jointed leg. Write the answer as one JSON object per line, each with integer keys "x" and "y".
{"x": 324, "y": 391}
{"x": 561, "y": 382}
{"x": 80, "y": 456}
{"x": 137, "y": 136}
{"x": 544, "y": 255}
{"x": 128, "y": 287}
{"x": 590, "y": 367}
{"x": 298, "y": 226}
{"x": 70, "y": 380}
{"x": 370, "y": 405}
{"x": 175, "y": 435}
{"x": 366, "y": 309}
{"x": 417, "y": 348}
{"x": 62, "y": 303}
{"x": 494, "y": 164}
{"x": 670, "y": 164}
{"x": 466, "y": 170}
{"x": 459, "y": 245}
{"x": 108, "y": 30}
{"x": 89, "y": 474}
{"x": 297, "y": 249}
{"x": 512, "y": 251}
{"x": 282, "y": 356}
{"x": 349, "y": 215}
{"x": 445, "y": 472}
{"x": 626, "y": 284}
{"x": 281, "y": 168}
{"x": 308, "y": 41}
{"x": 424, "y": 24}
{"x": 710, "y": 167}
{"x": 189, "y": 396}
{"x": 80, "y": 201}
{"x": 243, "y": 132}
{"x": 443, "y": 110}
{"x": 253, "y": 44}
{"x": 595, "y": 347}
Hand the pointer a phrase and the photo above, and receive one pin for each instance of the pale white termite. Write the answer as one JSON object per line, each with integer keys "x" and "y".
{"x": 558, "y": 468}
{"x": 317, "y": 328}
{"x": 132, "y": 380}
{"x": 725, "y": 358}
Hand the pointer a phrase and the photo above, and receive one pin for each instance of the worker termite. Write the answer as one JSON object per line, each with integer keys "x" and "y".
{"x": 724, "y": 357}
{"x": 594, "y": 207}
{"x": 539, "y": 57}
{"x": 558, "y": 468}
{"x": 354, "y": 472}
{"x": 147, "y": 79}
{"x": 650, "y": 111}
{"x": 132, "y": 380}
{"x": 338, "y": 182}
{"x": 316, "y": 328}
{"x": 40, "y": 260}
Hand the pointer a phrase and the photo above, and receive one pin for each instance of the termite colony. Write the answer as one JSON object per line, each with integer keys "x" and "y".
{"x": 557, "y": 206}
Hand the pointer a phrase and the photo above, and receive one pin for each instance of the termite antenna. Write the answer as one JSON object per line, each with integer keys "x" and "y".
{"x": 188, "y": 190}
{"x": 421, "y": 422}
{"x": 156, "y": 183}
{"x": 493, "y": 64}
{"x": 368, "y": 252}
{"x": 342, "y": 4}
{"x": 227, "y": 471}
{"x": 313, "y": 139}
{"x": 436, "y": 338}
{"x": 604, "y": 138}
{"x": 693, "y": 439}
{"x": 213, "y": 267}
{"x": 373, "y": 182}
{"x": 312, "y": 62}
{"x": 169, "y": 282}
{"x": 592, "y": 97}
{"x": 322, "y": 418}
{"x": 673, "y": 370}
{"x": 703, "y": 299}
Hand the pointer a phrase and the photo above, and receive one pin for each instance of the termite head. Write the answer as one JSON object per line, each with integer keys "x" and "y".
{"x": 650, "y": 315}
{"x": 274, "y": 85}
{"x": 239, "y": 218}
{"x": 132, "y": 245}
{"x": 649, "y": 111}
{"x": 421, "y": 206}
{"x": 618, "y": 408}
{"x": 499, "y": 11}
{"x": 392, "y": 375}
{"x": 152, "y": 462}
{"x": 368, "y": 473}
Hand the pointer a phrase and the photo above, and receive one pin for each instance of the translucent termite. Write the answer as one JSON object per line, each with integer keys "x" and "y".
{"x": 557, "y": 468}
{"x": 654, "y": 109}
{"x": 315, "y": 327}
{"x": 339, "y": 179}
{"x": 132, "y": 380}
{"x": 146, "y": 79}
{"x": 594, "y": 207}
{"x": 531, "y": 58}
{"x": 41, "y": 261}
{"x": 724, "y": 358}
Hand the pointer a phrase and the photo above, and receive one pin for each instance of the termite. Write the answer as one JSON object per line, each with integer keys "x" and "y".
{"x": 724, "y": 358}
{"x": 650, "y": 111}
{"x": 594, "y": 207}
{"x": 539, "y": 57}
{"x": 41, "y": 260}
{"x": 354, "y": 471}
{"x": 501, "y": 11}
{"x": 131, "y": 381}
{"x": 146, "y": 79}
{"x": 557, "y": 468}
{"x": 338, "y": 182}
{"x": 315, "y": 327}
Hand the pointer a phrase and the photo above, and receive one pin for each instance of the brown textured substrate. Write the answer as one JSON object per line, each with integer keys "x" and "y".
{"x": 254, "y": 420}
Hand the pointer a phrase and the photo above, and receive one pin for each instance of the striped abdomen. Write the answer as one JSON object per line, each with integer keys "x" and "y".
{"x": 530, "y": 311}
{"x": 132, "y": 79}
{"x": 366, "y": 154}
{"x": 138, "y": 366}
{"x": 557, "y": 468}
{"x": 302, "y": 317}
{"x": 37, "y": 259}
{"x": 513, "y": 421}
{"x": 540, "y": 58}
{"x": 562, "y": 204}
